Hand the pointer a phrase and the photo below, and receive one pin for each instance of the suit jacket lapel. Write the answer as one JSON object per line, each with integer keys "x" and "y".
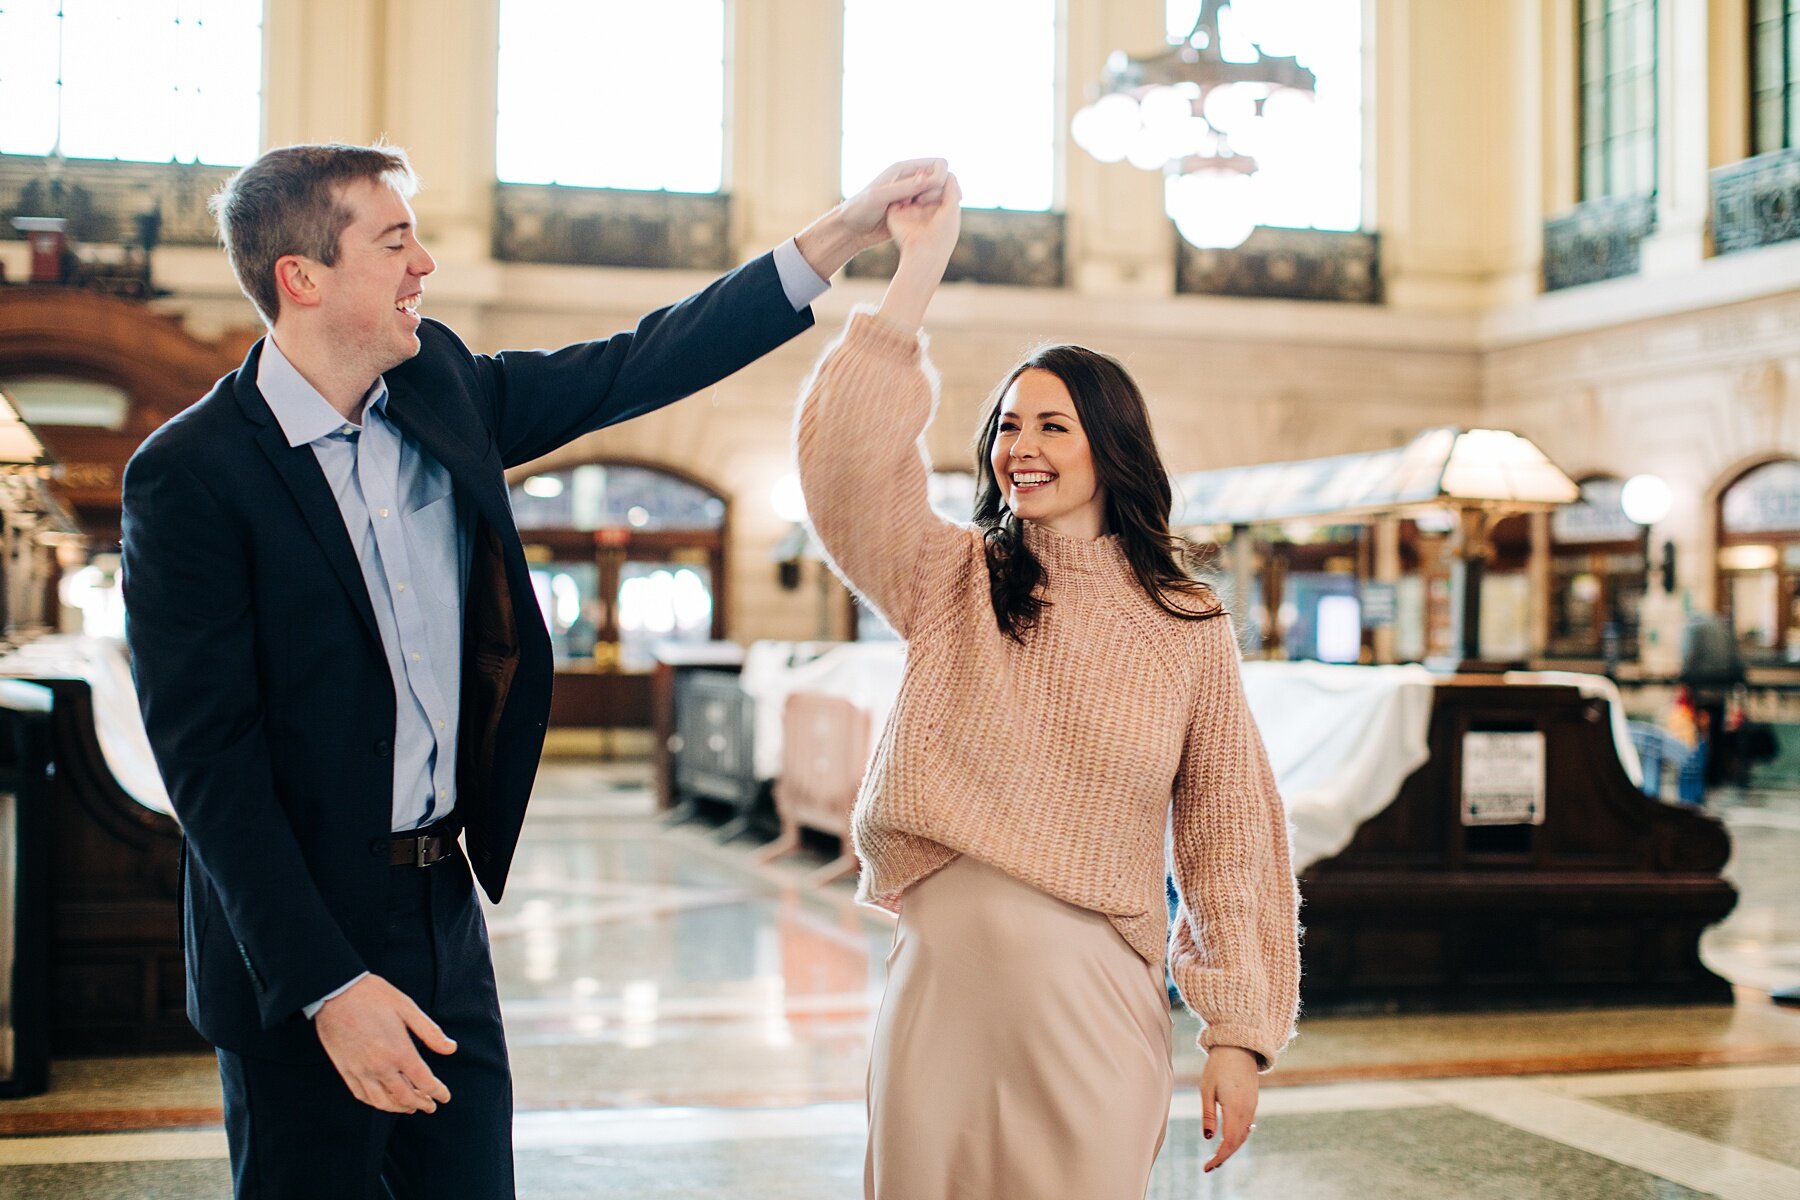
{"x": 299, "y": 469}
{"x": 476, "y": 471}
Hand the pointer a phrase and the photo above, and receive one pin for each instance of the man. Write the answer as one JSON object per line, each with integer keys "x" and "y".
{"x": 341, "y": 665}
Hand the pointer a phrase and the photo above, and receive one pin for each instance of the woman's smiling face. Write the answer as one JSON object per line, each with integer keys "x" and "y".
{"x": 1041, "y": 458}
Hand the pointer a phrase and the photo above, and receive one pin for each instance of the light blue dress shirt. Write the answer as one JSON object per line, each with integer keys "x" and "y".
{"x": 412, "y": 542}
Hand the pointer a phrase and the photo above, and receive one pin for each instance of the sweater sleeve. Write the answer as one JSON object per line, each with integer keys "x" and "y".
{"x": 1234, "y": 947}
{"x": 863, "y": 468}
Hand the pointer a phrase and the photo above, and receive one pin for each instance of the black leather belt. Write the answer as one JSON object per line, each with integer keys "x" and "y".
{"x": 421, "y": 849}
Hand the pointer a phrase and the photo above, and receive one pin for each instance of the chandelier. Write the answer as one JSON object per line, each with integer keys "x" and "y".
{"x": 1200, "y": 119}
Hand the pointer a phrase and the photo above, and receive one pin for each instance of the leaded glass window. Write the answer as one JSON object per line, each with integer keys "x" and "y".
{"x": 1774, "y": 75}
{"x": 612, "y": 93}
{"x": 140, "y": 80}
{"x": 1618, "y": 98}
{"x": 973, "y": 83}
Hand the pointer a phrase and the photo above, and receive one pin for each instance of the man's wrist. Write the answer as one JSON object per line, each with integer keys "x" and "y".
{"x": 829, "y": 242}
{"x": 312, "y": 1010}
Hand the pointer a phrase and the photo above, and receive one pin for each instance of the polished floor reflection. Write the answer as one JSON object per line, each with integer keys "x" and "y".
{"x": 687, "y": 1023}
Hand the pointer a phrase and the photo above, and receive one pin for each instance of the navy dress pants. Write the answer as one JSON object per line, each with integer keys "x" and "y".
{"x": 296, "y": 1132}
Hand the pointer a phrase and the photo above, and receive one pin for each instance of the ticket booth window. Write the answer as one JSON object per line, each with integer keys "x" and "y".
{"x": 1759, "y": 562}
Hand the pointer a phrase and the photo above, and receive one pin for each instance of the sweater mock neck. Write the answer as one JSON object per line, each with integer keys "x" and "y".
{"x": 1065, "y": 557}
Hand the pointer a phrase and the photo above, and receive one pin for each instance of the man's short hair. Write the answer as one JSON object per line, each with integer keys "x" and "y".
{"x": 290, "y": 201}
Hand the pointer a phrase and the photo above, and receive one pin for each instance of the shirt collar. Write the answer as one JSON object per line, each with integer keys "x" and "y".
{"x": 303, "y": 414}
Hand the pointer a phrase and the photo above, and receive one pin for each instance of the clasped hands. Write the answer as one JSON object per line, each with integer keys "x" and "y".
{"x": 872, "y": 216}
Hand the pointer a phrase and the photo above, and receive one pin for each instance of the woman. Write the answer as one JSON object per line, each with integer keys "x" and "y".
{"x": 1067, "y": 689}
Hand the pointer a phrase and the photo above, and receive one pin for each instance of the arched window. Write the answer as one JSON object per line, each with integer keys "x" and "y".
{"x": 1310, "y": 162}
{"x": 975, "y": 83}
{"x": 143, "y": 80}
{"x": 1597, "y": 574}
{"x": 612, "y": 93}
{"x": 622, "y": 557}
{"x": 1759, "y": 561}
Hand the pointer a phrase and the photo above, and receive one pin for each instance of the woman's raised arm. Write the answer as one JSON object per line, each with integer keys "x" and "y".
{"x": 862, "y": 469}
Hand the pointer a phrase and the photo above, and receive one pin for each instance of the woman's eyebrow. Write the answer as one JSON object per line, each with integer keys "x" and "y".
{"x": 1040, "y": 416}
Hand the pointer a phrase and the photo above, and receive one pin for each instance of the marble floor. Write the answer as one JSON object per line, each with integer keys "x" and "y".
{"x": 687, "y": 1023}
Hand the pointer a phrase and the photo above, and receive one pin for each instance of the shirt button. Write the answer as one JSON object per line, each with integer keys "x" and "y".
{"x": 440, "y": 724}
{"x": 415, "y": 656}
{"x": 443, "y": 793}
{"x": 384, "y": 513}
{"x": 383, "y": 747}
{"x": 402, "y": 586}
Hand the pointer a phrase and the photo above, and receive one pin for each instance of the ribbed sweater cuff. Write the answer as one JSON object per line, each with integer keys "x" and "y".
{"x": 1244, "y": 1037}
{"x": 867, "y": 328}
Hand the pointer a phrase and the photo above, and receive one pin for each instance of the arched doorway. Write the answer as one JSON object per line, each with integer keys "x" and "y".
{"x": 98, "y": 375}
{"x": 1759, "y": 561}
{"x": 624, "y": 555}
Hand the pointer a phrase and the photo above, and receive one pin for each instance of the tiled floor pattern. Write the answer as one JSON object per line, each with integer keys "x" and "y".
{"x": 1567, "y": 1138}
{"x": 687, "y": 1023}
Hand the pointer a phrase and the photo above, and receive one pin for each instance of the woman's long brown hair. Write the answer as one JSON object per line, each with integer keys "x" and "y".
{"x": 1130, "y": 472}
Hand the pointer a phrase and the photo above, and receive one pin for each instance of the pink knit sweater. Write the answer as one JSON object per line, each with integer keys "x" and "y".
{"x": 1058, "y": 760}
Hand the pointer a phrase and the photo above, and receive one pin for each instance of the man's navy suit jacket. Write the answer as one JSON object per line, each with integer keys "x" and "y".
{"x": 260, "y": 670}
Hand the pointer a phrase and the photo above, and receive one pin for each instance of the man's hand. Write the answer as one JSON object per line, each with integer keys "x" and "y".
{"x": 368, "y": 1032}
{"x": 1228, "y": 1089}
{"x": 862, "y": 220}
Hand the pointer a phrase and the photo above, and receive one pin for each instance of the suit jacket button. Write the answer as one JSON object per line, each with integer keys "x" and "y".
{"x": 379, "y": 847}
{"x": 383, "y": 748}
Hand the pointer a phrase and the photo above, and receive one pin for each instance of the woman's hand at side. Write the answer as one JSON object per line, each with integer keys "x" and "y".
{"x": 1228, "y": 1090}
{"x": 925, "y": 230}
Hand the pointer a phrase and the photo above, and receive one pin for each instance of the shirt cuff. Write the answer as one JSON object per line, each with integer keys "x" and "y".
{"x": 312, "y": 1010}
{"x": 801, "y": 283}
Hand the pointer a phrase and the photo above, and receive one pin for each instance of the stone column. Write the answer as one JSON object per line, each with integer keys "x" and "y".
{"x": 785, "y": 79}
{"x": 1120, "y": 241}
{"x": 322, "y": 70}
{"x": 1683, "y": 187}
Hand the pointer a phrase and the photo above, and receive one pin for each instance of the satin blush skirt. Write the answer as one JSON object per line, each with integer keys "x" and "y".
{"x": 1022, "y": 1050}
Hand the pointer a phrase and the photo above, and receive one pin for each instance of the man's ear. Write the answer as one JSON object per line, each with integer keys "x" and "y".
{"x": 297, "y": 279}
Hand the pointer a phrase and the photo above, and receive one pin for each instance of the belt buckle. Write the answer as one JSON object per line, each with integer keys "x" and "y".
{"x": 420, "y": 845}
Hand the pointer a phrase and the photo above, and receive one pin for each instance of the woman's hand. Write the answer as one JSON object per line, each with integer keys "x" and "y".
{"x": 927, "y": 226}
{"x": 1228, "y": 1088}
{"x": 925, "y": 229}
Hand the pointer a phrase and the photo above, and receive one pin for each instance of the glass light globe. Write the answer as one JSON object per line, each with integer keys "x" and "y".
{"x": 1232, "y": 105}
{"x": 1250, "y": 137}
{"x": 786, "y": 498}
{"x": 1164, "y": 107}
{"x": 1214, "y": 210}
{"x": 1148, "y": 150}
{"x": 1105, "y": 128}
{"x": 1289, "y": 109}
{"x": 1646, "y": 499}
{"x": 1084, "y": 127}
